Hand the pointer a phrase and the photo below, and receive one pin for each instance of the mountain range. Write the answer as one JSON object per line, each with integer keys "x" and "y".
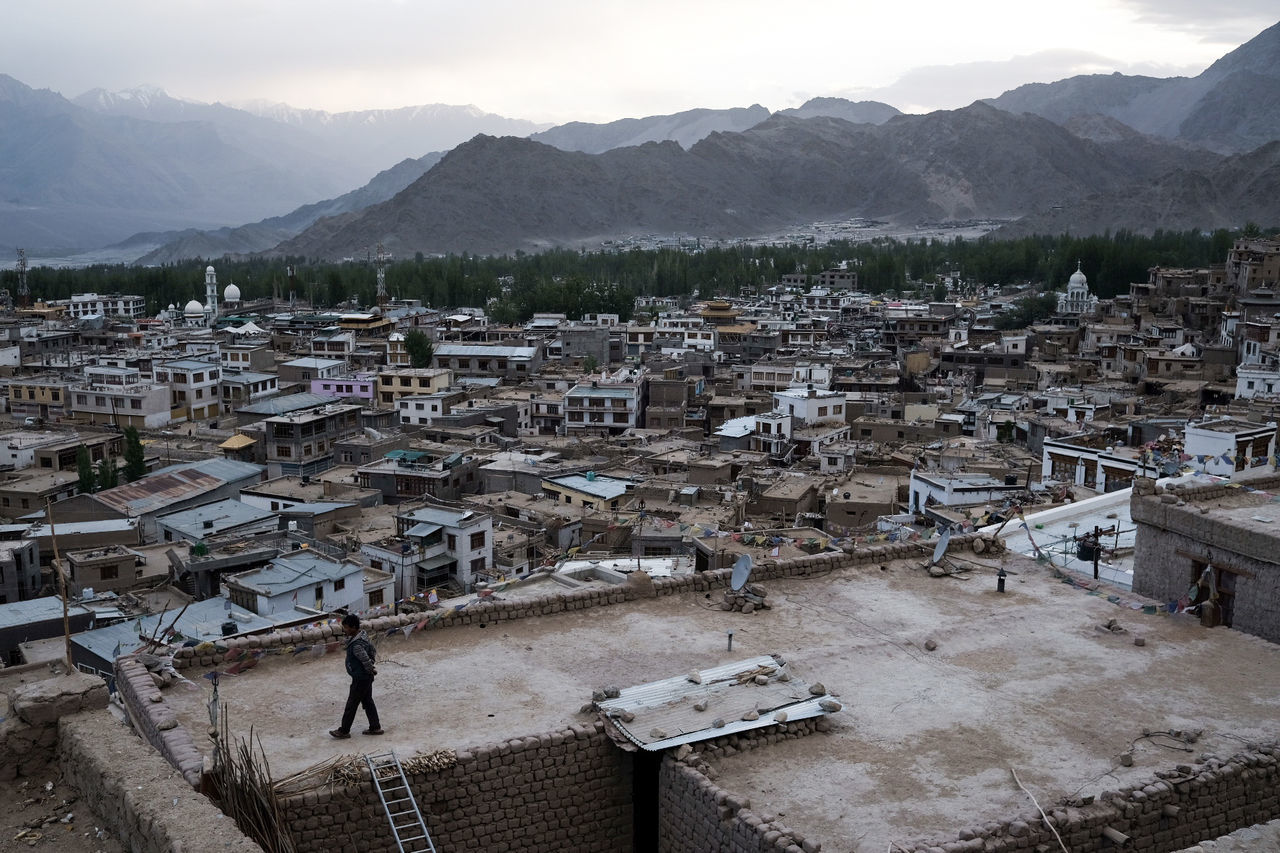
{"x": 163, "y": 179}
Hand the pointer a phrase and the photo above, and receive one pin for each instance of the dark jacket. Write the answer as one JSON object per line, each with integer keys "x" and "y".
{"x": 360, "y": 655}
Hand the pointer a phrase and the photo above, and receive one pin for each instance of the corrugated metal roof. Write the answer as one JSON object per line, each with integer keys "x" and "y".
{"x": 606, "y": 488}
{"x": 213, "y": 518}
{"x": 295, "y": 570}
{"x": 484, "y": 351}
{"x": 663, "y": 711}
{"x": 283, "y": 405}
{"x": 175, "y": 483}
{"x": 17, "y": 613}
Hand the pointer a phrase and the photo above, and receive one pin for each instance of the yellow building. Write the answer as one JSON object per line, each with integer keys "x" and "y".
{"x": 398, "y": 382}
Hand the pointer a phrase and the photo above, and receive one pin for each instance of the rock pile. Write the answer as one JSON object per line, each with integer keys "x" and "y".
{"x": 749, "y": 599}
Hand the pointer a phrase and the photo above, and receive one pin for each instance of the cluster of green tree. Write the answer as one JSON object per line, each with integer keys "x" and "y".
{"x": 105, "y": 475}
{"x": 1031, "y": 309}
{"x": 576, "y": 283}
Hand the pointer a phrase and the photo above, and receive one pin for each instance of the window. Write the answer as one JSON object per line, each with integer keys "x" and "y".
{"x": 452, "y": 543}
{"x": 477, "y": 565}
{"x": 284, "y": 451}
{"x": 477, "y": 540}
{"x": 377, "y": 564}
{"x": 109, "y": 573}
{"x": 340, "y": 583}
{"x": 375, "y": 598}
{"x": 319, "y": 594}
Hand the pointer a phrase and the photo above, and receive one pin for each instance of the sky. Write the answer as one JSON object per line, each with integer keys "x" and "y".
{"x": 599, "y": 60}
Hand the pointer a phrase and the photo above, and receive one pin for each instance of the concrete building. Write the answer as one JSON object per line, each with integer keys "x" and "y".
{"x": 242, "y": 387}
{"x": 434, "y": 547}
{"x": 601, "y": 409}
{"x": 19, "y": 570}
{"x": 82, "y": 305}
{"x": 194, "y": 389}
{"x": 299, "y": 579}
{"x": 513, "y": 363}
{"x": 118, "y": 395}
{"x": 302, "y": 442}
{"x": 110, "y": 568}
{"x": 1211, "y": 548}
{"x": 400, "y": 382}
{"x": 1227, "y": 445}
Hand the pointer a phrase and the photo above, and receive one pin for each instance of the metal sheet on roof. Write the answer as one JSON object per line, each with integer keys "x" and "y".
{"x": 663, "y": 713}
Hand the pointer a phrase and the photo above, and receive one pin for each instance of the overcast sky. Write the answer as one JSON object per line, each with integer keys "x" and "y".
{"x": 599, "y": 60}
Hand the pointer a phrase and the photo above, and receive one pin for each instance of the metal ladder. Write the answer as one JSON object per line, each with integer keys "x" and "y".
{"x": 407, "y": 826}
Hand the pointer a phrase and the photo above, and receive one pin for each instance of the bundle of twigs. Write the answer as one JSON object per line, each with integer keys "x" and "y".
{"x": 242, "y": 788}
{"x": 353, "y": 770}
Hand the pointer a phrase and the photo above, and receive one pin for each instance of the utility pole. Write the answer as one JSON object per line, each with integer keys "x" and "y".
{"x": 62, "y": 583}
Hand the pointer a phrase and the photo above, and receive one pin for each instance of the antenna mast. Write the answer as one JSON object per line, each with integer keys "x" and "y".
{"x": 24, "y": 293}
{"x": 382, "y": 257}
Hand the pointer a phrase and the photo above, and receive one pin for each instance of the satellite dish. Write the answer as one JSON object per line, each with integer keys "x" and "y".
{"x": 940, "y": 550}
{"x": 741, "y": 571}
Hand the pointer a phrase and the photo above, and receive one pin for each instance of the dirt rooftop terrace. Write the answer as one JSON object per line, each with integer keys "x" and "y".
{"x": 1026, "y": 679}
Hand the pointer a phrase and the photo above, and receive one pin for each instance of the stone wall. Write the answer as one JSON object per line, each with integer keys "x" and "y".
{"x": 695, "y": 815}
{"x": 568, "y": 791}
{"x": 144, "y": 803}
{"x": 155, "y": 721}
{"x": 29, "y": 731}
{"x": 1176, "y": 809}
{"x": 209, "y": 655}
{"x": 1171, "y": 526}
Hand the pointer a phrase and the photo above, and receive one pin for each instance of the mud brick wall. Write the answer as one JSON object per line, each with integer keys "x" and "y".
{"x": 568, "y": 791}
{"x": 143, "y": 801}
{"x": 155, "y": 720}
{"x": 695, "y": 815}
{"x": 1171, "y": 526}
{"x": 29, "y": 730}
{"x": 210, "y": 655}
{"x": 1212, "y": 799}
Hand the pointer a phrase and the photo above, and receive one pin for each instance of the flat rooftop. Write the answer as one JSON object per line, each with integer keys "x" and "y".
{"x": 1027, "y": 679}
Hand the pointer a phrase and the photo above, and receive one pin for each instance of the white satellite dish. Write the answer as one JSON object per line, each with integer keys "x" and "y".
{"x": 741, "y": 571}
{"x": 940, "y": 550}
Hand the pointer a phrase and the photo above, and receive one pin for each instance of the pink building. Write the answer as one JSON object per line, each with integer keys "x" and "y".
{"x": 359, "y": 387}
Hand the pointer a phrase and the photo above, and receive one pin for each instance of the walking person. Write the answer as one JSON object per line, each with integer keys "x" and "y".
{"x": 360, "y": 666}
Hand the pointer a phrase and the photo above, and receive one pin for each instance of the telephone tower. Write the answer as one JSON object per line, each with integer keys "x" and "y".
{"x": 382, "y": 257}
{"x": 24, "y": 292}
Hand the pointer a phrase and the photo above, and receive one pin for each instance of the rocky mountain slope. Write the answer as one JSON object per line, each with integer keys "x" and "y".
{"x": 1231, "y": 107}
{"x": 499, "y": 195}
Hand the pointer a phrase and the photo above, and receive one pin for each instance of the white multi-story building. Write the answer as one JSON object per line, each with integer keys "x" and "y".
{"x": 432, "y": 547}
{"x": 104, "y": 304}
{"x": 118, "y": 395}
{"x": 601, "y": 408}
{"x": 1227, "y": 445}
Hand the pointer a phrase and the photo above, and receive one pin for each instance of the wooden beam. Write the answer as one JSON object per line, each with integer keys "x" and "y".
{"x": 1222, "y": 567}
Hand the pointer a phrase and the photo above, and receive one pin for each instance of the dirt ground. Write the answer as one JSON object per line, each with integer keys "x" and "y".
{"x": 1028, "y": 679}
{"x": 34, "y": 811}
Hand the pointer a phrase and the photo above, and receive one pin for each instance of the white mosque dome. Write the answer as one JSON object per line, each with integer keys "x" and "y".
{"x": 193, "y": 309}
{"x": 1078, "y": 278}
{"x": 173, "y": 307}
{"x": 208, "y": 270}
{"x": 231, "y": 293}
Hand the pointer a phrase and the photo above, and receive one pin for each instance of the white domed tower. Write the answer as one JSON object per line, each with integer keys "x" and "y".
{"x": 231, "y": 296}
{"x": 211, "y": 294}
{"x": 193, "y": 315}
{"x": 1077, "y": 299}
